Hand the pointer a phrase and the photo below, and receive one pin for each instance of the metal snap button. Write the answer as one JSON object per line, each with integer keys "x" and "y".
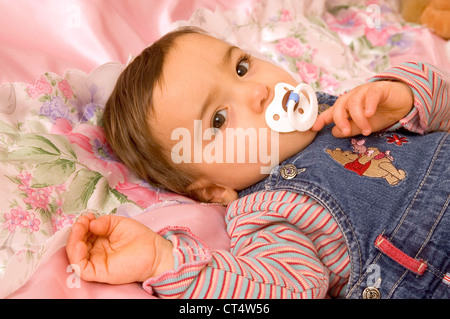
{"x": 288, "y": 171}
{"x": 371, "y": 293}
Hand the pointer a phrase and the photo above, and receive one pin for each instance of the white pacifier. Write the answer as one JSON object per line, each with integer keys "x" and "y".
{"x": 292, "y": 110}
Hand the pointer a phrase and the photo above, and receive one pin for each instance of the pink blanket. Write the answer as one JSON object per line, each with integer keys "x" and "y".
{"x": 51, "y": 169}
{"x": 55, "y": 278}
{"x": 54, "y": 35}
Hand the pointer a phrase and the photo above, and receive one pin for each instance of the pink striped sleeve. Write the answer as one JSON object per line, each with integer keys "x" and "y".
{"x": 431, "y": 89}
{"x": 283, "y": 245}
{"x": 191, "y": 256}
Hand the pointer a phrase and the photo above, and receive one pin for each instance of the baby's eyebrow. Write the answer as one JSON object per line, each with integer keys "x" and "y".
{"x": 206, "y": 104}
{"x": 227, "y": 56}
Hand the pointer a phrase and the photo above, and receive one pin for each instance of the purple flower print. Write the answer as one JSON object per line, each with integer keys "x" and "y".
{"x": 401, "y": 42}
{"x": 88, "y": 103}
{"x": 55, "y": 109}
{"x": 103, "y": 151}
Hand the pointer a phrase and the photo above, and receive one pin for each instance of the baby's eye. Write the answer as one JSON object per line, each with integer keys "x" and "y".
{"x": 243, "y": 66}
{"x": 219, "y": 119}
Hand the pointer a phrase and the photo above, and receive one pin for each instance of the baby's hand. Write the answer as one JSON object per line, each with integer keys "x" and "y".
{"x": 117, "y": 250}
{"x": 368, "y": 108}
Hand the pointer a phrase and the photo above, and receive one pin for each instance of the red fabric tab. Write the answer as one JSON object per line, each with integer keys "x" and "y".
{"x": 385, "y": 246}
{"x": 446, "y": 279}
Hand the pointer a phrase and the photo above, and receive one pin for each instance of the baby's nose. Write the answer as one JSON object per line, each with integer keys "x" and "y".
{"x": 258, "y": 95}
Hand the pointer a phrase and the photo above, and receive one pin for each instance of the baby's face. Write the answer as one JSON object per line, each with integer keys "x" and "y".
{"x": 209, "y": 112}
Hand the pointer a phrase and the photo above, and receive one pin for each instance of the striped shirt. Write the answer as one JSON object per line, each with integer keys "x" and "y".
{"x": 284, "y": 244}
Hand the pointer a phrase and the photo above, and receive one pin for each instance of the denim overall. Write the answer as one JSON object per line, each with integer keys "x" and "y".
{"x": 389, "y": 194}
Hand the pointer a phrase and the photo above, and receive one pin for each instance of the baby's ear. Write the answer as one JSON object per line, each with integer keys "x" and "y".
{"x": 212, "y": 193}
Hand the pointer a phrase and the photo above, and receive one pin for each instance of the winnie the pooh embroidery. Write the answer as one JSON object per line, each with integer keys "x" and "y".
{"x": 368, "y": 161}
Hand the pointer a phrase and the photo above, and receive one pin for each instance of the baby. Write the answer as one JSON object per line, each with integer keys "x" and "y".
{"x": 328, "y": 220}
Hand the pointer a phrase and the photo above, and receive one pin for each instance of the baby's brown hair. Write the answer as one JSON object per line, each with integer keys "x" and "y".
{"x": 125, "y": 118}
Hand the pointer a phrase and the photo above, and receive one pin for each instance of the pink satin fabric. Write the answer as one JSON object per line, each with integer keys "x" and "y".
{"x": 56, "y": 35}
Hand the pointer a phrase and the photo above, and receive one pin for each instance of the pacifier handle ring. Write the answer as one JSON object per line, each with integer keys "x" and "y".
{"x": 302, "y": 122}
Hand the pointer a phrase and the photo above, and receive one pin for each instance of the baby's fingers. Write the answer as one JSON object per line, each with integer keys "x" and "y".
{"x": 362, "y": 109}
{"x": 341, "y": 117}
{"x": 336, "y": 114}
{"x": 372, "y": 101}
{"x": 352, "y": 131}
{"x": 77, "y": 246}
{"x": 323, "y": 119}
{"x": 79, "y": 241}
{"x": 79, "y": 232}
{"x": 359, "y": 122}
{"x": 353, "y": 112}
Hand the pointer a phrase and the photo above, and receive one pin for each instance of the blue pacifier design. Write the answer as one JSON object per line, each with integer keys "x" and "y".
{"x": 292, "y": 109}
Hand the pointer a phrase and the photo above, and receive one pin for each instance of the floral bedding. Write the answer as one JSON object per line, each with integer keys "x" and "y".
{"x": 55, "y": 162}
